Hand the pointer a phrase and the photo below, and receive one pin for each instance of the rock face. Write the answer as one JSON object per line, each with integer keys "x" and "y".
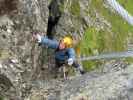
{"x": 115, "y": 85}
{"x": 23, "y": 64}
{"x": 18, "y": 53}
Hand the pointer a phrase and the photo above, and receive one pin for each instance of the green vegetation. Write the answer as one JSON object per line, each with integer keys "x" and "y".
{"x": 61, "y": 8}
{"x": 75, "y": 8}
{"x": 97, "y": 42}
{"x": 127, "y": 4}
{"x": 1, "y": 98}
{"x": 118, "y": 24}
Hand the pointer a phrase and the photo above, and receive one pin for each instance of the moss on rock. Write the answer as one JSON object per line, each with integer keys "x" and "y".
{"x": 75, "y": 8}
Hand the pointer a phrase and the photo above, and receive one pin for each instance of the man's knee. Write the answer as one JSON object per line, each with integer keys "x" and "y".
{"x": 75, "y": 64}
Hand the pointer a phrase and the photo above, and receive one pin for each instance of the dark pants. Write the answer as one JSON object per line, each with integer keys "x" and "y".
{"x": 75, "y": 65}
{"x": 61, "y": 63}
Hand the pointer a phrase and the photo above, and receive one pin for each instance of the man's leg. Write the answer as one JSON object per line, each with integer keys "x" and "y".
{"x": 61, "y": 65}
{"x": 56, "y": 69}
{"x": 79, "y": 67}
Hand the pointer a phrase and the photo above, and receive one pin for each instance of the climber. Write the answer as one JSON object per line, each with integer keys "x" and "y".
{"x": 64, "y": 53}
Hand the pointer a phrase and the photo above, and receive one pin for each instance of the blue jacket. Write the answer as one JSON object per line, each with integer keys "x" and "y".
{"x": 61, "y": 55}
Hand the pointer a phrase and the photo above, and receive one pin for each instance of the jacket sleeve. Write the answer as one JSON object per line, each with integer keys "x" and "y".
{"x": 48, "y": 42}
{"x": 71, "y": 53}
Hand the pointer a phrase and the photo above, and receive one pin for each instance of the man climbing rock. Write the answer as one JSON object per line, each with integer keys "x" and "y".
{"x": 64, "y": 53}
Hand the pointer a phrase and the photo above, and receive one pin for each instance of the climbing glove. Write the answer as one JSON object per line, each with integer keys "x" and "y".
{"x": 37, "y": 37}
{"x": 70, "y": 61}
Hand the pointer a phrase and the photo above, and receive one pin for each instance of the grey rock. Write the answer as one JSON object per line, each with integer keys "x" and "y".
{"x": 94, "y": 86}
{"x": 23, "y": 64}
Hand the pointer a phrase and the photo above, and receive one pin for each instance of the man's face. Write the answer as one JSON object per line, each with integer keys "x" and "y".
{"x": 61, "y": 45}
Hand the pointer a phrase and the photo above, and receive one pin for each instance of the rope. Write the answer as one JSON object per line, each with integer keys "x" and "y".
{"x": 109, "y": 56}
{"x": 121, "y": 11}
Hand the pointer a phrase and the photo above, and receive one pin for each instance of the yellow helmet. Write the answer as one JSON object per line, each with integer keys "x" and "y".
{"x": 67, "y": 41}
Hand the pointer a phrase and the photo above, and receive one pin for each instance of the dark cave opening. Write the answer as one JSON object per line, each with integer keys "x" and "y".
{"x": 54, "y": 16}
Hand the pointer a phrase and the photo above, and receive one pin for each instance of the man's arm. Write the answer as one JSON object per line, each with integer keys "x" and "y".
{"x": 71, "y": 56}
{"x": 71, "y": 53}
{"x": 48, "y": 42}
{"x": 45, "y": 41}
